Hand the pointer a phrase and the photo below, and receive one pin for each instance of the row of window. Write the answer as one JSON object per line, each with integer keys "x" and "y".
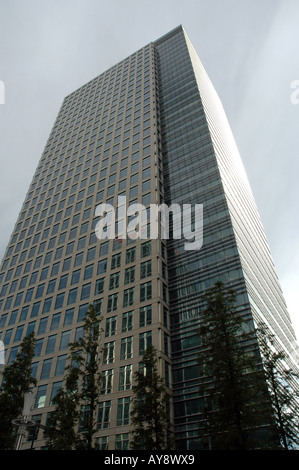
{"x": 107, "y": 376}
{"x": 40, "y": 290}
{"x": 104, "y": 408}
{"x": 121, "y": 440}
{"x": 104, "y": 98}
{"x": 111, "y": 85}
{"x": 80, "y": 257}
{"x": 51, "y": 342}
{"x": 70, "y": 298}
{"x": 48, "y": 324}
{"x": 145, "y": 319}
{"x": 42, "y": 207}
{"x": 46, "y": 244}
{"x": 130, "y": 256}
{"x": 105, "y": 145}
{"x": 126, "y": 347}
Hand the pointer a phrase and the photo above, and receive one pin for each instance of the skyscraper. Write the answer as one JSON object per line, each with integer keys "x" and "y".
{"x": 150, "y": 129}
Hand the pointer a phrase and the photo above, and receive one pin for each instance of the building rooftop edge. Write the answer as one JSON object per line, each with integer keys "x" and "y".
{"x": 168, "y": 35}
{"x": 160, "y": 40}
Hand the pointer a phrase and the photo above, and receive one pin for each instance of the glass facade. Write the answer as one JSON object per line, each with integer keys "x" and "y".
{"x": 202, "y": 165}
{"x": 151, "y": 129}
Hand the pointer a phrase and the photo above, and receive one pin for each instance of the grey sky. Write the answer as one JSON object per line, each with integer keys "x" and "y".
{"x": 248, "y": 47}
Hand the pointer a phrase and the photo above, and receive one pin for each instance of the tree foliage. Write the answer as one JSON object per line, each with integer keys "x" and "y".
{"x": 17, "y": 380}
{"x": 283, "y": 389}
{"x": 150, "y": 412}
{"x": 232, "y": 387}
{"x": 73, "y": 422}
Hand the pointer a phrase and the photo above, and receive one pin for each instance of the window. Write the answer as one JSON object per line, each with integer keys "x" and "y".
{"x": 88, "y": 272}
{"x": 29, "y": 294}
{"x": 75, "y": 277}
{"x": 42, "y": 326}
{"x": 146, "y": 185}
{"x": 110, "y": 190}
{"x": 81, "y": 243}
{"x": 37, "y": 348}
{"x": 19, "y": 332}
{"x": 104, "y": 248}
{"x": 55, "y": 321}
{"x": 40, "y": 397}
{"x": 146, "y": 269}
{"x": 30, "y": 327}
{"x": 91, "y": 254}
{"x": 98, "y": 306}
{"x": 145, "y": 316}
{"x": 55, "y": 389}
{"x": 99, "y": 288}
{"x": 3, "y": 320}
{"x": 46, "y": 369}
{"x": 165, "y": 296}
{"x": 39, "y": 291}
{"x": 79, "y": 333}
{"x": 108, "y": 353}
{"x": 82, "y": 312}
{"x": 104, "y": 414}
{"x": 12, "y": 355}
{"x": 114, "y": 281}
{"x": 51, "y": 286}
{"x": 123, "y": 411}
{"x": 44, "y": 273}
{"x": 55, "y": 269}
{"x": 51, "y": 344}
{"x": 126, "y": 348}
{"x": 85, "y": 292}
{"x": 60, "y": 365}
{"x": 130, "y": 275}
{"x": 70, "y": 248}
{"x": 127, "y": 321}
{"x": 133, "y": 191}
{"x": 106, "y": 381}
{"x": 33, "y": 279}
{"x": 102, "y": 266}
{"x": 164, "y": 271}
{"x": 128, "y": 297}
{"x": 130, "y": 255}
{"x": 122, "y": 441}
{"x": 110, "y": 326}
{"x": 68, "y": 318}
{"x": 102, "y": 443}
{"x": 145, "y": 291}
{"x": 72, "y": 296}
{"x": 59, "y": 300}
{"x": 78, "y": 259}
{"x": 112, "y": 302}
{"x": 166, "y": 344}
{"x": 125, "y": 378}
{"x": 115, "y": 261}
{"x": 63, "y": 281}
{"x": 64, "y": 340}
{"x": 145, "y": 340}
{"x": 145, "y": 249}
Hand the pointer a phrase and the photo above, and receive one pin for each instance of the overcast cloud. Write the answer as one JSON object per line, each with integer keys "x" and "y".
{"x": 248, "y": 47}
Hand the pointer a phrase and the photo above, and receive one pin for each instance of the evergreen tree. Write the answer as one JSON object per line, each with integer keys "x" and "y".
{"x": 233, "y": 392}
{"x": 61, "y": 431}
{"x": 283, "y": 389}
{"x": 76, "y": 404}
{"x": 150, "y": 410}
{"x": 16, "y": 381}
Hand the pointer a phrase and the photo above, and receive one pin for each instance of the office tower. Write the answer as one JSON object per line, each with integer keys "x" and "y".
{"x": 152, "y": 129}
